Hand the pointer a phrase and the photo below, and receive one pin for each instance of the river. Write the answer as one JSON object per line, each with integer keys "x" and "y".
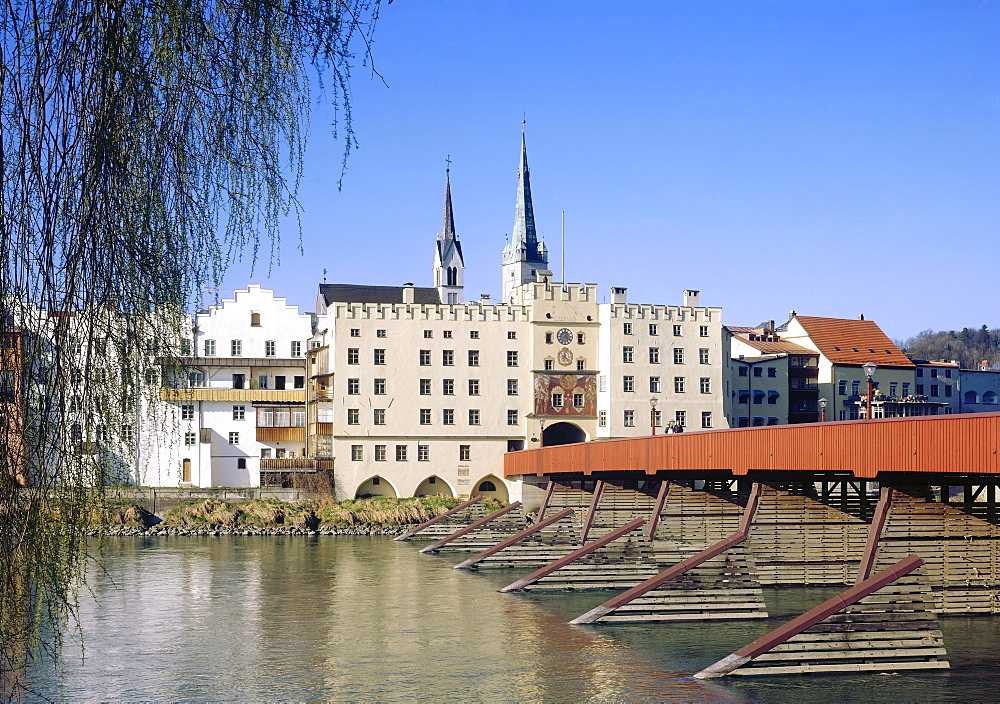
{"x": 246, "y": 619}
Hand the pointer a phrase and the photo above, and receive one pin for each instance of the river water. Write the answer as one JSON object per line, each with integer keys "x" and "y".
{"x": 369, "y": 619}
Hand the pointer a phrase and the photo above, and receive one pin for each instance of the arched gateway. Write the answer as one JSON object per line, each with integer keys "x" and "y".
{"x": 563, "y": 433}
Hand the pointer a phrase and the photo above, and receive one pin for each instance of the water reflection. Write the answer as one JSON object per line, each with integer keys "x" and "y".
{"x": 278, "y": 618}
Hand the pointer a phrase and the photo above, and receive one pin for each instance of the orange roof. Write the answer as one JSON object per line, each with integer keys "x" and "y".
{"x": 853, "y": 342}
{"x": 774, "y": 346}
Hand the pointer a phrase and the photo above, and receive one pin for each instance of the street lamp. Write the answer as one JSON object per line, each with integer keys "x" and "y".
{"x": 652, "y": 415}
{"x": 822, "y": 410}
{"x": 869, "y": 368}
{"x": 541, "y": 432}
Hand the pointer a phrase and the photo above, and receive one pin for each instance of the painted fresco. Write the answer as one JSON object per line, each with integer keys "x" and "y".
{"x": 548, "y": 386}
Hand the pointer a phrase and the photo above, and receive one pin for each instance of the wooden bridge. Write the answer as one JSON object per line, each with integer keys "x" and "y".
{"x": 905, "y": 513}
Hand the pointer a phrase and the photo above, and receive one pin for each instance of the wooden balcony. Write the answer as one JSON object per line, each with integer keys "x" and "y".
{"x": 249, "y": 395}
{"x": 281, "y": 434}
{"x": 295, "y": 464}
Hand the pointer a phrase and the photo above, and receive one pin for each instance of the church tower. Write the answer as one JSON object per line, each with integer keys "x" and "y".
{"x": 525, "y": 259}
{"x": 449, "y": 266}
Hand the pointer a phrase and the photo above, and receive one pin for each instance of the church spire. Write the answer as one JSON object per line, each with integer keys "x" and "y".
{"x": 448, "y": 221}
{"x": 449, "y": 265}
{"x": 524, "y": 234}
{"x": 525, "y": 259}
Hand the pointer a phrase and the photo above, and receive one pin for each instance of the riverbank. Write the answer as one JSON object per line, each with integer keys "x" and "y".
{"x": 377, "y": 515}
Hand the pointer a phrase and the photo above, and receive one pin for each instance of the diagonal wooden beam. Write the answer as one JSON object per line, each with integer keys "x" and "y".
{"x": 574, "y": 556}
{"x": 594, "y": 502}
{"x": 545, "y": 502}
{"x": 425, "y": 524}
{"x": 503, "y": 544}
{"x": 875, "y": 530}
{"x": 661, "y": 498}
{"x": 813, "y": 616}
{"x": 470, "y": 528}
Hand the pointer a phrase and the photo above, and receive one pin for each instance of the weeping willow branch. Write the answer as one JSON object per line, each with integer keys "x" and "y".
{"x": 143, "y": 147}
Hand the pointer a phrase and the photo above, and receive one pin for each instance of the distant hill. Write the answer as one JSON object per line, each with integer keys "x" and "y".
{"x": 968, "y": 346}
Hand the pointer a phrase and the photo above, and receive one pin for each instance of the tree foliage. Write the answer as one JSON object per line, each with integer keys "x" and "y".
{"x": 144, "y": 145}
{"x": 968, "y": 346}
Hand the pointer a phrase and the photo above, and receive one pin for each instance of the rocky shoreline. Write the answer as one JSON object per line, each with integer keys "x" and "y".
{"x": 162, "y": 530}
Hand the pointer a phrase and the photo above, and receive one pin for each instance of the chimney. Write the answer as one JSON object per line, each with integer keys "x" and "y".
{"x": 690, "y": 298}
{"x": 484, "y": 299}
{"x": 770, "y": 326}
{"x": 408, "y": 292}
{"x": 861, "y": 316}
{"x": 618, "y": 294}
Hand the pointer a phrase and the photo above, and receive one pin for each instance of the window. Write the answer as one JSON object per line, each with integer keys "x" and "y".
{"x": 511, "y": 417}
{"x": 425, "y": 416}
{"x": 380, "y": 333}
{"x": 627, "y": 328}
{"x": 262, "y": 381}
{"x": 378, "y": 416}
{"x": 934, "y": 389}
{"x": 424, "y": 455}
{"x": 353, "y": 356}
{"x": 190, "y": 438}
{"x": 602, "y": 383}
{"x": 703, "y": 358}
{"x": 265, "y": 453}
{"x": 947, "y": 391}
{"x": 234, "y": 438}
{"x": 581, "y": 364}
{"x": 512, "y": 387}
{"x": 842, "y": 387}
{"x": 654, "y": 355}
{"x": 680, "y": 417}
{"x": 705, "y": 385}
{"x": 474, "y": 416}
{"x": 627, "y": 355}
{"x": 209, "y": 348}
{"x": 239, "y": 381}
{"x": 473, "y": 387}
{"x": 269, "y": 348}
{"x": 355, "y": 332}
{"x": 654, "y": 384}
{"x": 464, "y": 453}
{"x": 353, "y": 416}
{"x": 771, "y": 420}
{"x": 744, "y": 371}
{"x": 380, "y": 453}
{"x": 934, "y": 373}
{"x": 378, "y": 356}
{"x": 577, "y": 400}
{"x": 548, "y": 364}
{"x": 473, "y": 334}
{"x": 255, "y": 320}
{"x": 428, "y": 334}
{"x": 425, "y": 387}
{"x": 279, "y": 383}
{"x": 447, "y": 333}
{"x": 548, "y": 338}
{"x": 947, "y": 373}
{"x": 580, "y": 338}
{"x": 772, "y": 397}
{"x": 357, "y": 453}
{"x": 653, "y": 329}
{"x": 678, "y": 384}
{"x": 628, "y": 383}
{"x": 602, "y": 419}
{"x": 677, "y": 331}
{"x": 920, "y": 372}
{"x": 379, "y": 387}
{"x": 629, "y": 419}
{"x": 401, "y": 453}
{"x": 239, "y": 412}
{"x": 236, "y": 348}
{"x": 196, "y": 380}
{"x": 448, "y": 387}
{"x": 657, "y": 418}
{"x": 906, "y": 388}
{"x": 772, "y": 371}
{"x": 448, "y": 416}
{"x": 892, "y": 388}
{"x": 473, "y": 358}
{"x": 296, "y": 348}
{"x": 187, "y": 412}
{"x": 425, "y": 358}
{"x": 706, "y": 419}
{"x": 300, "y": 382}
{"x": 757, "y": 420}
{"x": 758, "y": 397}
{"x": 758, "y": 371}
{"x": 511, "y": 335}
{"x": 744, "y": 421}
{"x": 678, "y": 355}
{"x": 448, "y": 358}
{"x": 855, "y": 387}
{"x": 353, "y": 387}
{"x": 557, "y": 400}
{"x": 703, "y": 331}
{"x": 511, "y": 358}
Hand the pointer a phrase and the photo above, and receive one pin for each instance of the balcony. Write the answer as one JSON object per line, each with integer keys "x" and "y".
{"x": 249, "y": 395}
{"x": 244, "y": 362}
{"x": 281, "y": 434}
{"x": 294, "y": 464}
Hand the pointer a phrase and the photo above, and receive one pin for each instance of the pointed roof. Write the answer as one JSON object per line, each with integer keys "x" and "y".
{"x": 448, "y": 221}
{"x": 524, "y": 236}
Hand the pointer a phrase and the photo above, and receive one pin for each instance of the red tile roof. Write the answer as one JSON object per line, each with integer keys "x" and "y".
{"x": 853, "y": 342}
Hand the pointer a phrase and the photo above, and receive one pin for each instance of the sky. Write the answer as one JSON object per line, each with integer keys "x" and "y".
{"x": 829, "y": 157}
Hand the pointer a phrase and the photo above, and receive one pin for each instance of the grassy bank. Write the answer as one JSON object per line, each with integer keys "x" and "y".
{"x": 312, "y": 514}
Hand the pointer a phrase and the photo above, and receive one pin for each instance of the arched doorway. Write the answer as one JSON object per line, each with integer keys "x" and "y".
{"x": 434, "y": 486}
{"x": 563, "y": 434}
{"x": 375, "y": 486}
{"x": 491, "y": 487}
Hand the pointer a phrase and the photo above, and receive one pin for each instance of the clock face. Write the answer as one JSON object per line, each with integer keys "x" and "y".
{"x": 564, "y": 336}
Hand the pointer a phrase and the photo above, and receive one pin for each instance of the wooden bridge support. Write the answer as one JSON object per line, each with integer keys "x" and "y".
{"x": 484, "y": 532}
{"x": 716, "y": 583}
{"x": 528, "y": 557}
{"x": 447, "y": 522}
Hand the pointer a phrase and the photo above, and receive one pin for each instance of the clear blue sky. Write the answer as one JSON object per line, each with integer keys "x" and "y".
{"x": 832, "y": 157}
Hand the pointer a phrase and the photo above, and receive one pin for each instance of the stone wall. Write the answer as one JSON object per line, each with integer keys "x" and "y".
{"x": 158, "y": 500}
